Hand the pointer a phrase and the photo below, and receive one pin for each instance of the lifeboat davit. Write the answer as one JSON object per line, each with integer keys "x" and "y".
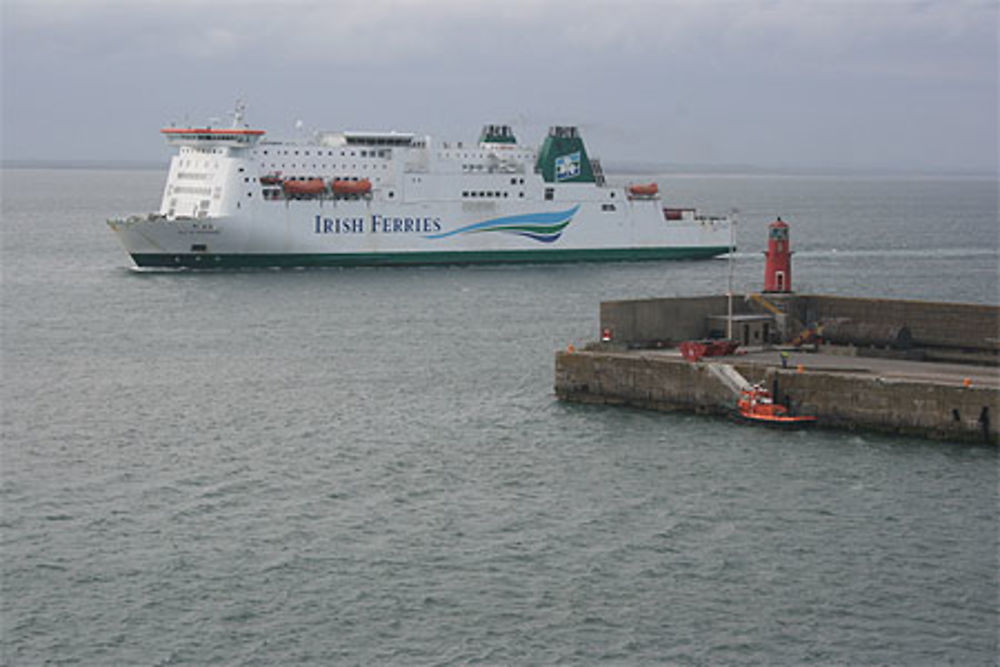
{"x": 312, "y": 186}
{"x": 757, "y": 406}
{"x": 342, "y": 187}
{"x": 646, "y": 190}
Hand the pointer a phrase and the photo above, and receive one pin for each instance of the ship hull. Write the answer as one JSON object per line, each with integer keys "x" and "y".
{"x": 303, "y": 234}
{"x": 415, "y": 258}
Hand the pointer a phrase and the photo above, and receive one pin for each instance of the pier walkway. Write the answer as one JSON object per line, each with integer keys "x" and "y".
{"x": 886, "y": 369}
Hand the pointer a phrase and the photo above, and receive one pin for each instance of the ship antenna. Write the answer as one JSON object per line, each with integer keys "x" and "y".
{"x": 241, "y": 107}
{"x": 732, "y": 251}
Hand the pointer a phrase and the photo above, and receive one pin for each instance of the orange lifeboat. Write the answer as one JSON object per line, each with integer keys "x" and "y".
{"x": 646, "y": 190}
{"x": 343, "y": 187}
{"x": 271, "y": 179}
{"x": 757, "y": 406}
{"x": 312, "y": 186}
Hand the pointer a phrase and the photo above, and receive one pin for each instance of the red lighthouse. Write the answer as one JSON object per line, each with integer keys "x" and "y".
{"x": 778, "y": 269}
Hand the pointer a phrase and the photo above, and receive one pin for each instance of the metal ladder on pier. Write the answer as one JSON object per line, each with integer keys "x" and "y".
{"x": 729, "y": 377}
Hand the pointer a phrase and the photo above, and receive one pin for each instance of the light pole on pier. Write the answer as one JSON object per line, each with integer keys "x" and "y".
{"x": 729, "y": 292}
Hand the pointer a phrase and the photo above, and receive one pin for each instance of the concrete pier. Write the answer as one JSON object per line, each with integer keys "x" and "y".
{"x": 845, "y": 386}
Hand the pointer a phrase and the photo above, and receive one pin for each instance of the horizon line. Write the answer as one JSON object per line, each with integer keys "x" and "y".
{"x": 624, "y": 167}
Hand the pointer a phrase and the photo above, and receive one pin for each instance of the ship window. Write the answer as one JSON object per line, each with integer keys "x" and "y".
{"x": 465, "y": 194}
{"x": 549, "y": 193}
{"x": 513, "y": 181}
{"x": 521, "y": 195}
{"x": 391, "y": 194}
{"x": 198, "y": 247}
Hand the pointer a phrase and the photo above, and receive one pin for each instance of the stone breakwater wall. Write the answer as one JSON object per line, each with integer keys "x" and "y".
{"x": 941, "y": 325}
{"x": 933, "y": 324}
{"x": 840, "y": 400}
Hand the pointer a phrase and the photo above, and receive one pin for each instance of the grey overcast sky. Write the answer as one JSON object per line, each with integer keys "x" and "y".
{"x": 864, "y": 84}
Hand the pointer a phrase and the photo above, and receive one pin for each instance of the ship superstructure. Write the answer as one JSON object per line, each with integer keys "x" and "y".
{"x": 234, "y": 198}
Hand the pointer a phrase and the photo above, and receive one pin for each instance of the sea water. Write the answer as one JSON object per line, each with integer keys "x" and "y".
{"x": 368, "y": 466}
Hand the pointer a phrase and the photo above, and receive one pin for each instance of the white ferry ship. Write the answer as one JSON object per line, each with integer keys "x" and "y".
{"x": 235, "y": 199}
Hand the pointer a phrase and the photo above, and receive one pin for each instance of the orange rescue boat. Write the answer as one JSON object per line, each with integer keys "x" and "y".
{"x": 311, "y": 186}
{"x": 646, "y": 190}
{"x": 757, "y": 406}
{"x": 343, "y": 187}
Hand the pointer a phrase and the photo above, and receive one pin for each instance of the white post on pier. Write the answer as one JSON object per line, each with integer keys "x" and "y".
{"x": 729, "y": 293}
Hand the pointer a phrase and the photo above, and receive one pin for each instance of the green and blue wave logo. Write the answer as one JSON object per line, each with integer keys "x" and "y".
{"x": 544, "y": 227}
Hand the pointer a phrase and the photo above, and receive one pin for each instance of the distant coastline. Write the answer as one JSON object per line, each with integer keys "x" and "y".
{"x": 626, "y": 168}
{"x": 159, "y": 165}
{"x": 612, "y": 167}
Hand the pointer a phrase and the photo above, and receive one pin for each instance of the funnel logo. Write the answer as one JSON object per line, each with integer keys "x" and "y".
{"x": 568, "y": 166}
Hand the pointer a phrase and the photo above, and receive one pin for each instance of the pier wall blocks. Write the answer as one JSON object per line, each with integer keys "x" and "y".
{"x": 871, "y": 402}
{"x": 848, "y": 401}
{"x": 657, "y": 383}
{"x": 956, "y": 325}
{"x": 664, "y": 319}
{"x": 932, "y": 324}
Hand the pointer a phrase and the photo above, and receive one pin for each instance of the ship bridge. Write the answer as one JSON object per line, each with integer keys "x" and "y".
{"x": 207, "y": 137}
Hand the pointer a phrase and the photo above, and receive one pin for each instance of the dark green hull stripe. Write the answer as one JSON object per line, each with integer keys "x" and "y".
{"x": 209, "y": 260}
